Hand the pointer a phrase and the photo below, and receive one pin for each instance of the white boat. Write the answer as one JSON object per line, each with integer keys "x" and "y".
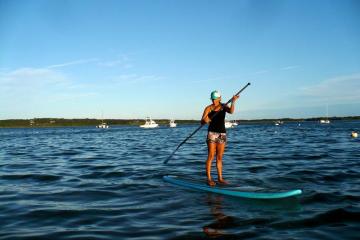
{"x": 172, "y": 123}
{"x": 149, "y": 123}
{"x": 228, "y": 124}
{"x": 326, "y": 121}
{"x": 234, "y": 123}
{"x": 102, "y": 125}
{"x": 277, "y": 123}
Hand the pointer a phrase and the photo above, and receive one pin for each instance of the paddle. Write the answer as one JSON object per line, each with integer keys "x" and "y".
{"x": 201, "y": 125}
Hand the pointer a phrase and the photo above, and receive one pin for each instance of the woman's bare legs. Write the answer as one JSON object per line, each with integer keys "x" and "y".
{"x": 211, "y": 155}
{"x": 220, "y": 147}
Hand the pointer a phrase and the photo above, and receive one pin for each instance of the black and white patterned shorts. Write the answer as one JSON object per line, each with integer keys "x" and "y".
{"x": 215, "y": 137}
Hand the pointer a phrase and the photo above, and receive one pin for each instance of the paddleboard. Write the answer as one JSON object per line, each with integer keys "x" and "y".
{"x": 192, "y": 184}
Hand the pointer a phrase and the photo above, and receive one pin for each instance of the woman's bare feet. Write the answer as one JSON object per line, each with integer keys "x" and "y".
{"x": 211, "y": 183}
{"x": 223, "y": 182}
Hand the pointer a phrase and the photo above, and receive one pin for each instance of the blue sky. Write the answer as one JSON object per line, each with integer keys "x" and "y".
{"x": 132, "y": 59}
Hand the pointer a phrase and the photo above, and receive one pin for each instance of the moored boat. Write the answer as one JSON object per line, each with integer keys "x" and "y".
{"x": 172, "y": 123}
{"x": 149, "y": 123}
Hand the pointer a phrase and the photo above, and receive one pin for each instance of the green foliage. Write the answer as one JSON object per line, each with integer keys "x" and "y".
{"x": 62, "y": 122}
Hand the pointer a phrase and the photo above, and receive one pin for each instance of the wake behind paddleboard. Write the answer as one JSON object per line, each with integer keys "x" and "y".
{"x": 190, "y": 184}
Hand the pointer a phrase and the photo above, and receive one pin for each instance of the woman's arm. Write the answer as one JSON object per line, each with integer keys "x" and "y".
{"x": 231, "y": 109}
{"x": 205, "y": 118}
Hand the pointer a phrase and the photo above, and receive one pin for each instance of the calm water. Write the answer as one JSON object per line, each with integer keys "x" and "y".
{"x": 87, "y": 183}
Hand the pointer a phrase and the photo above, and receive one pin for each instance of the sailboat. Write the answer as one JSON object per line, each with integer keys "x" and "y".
{"x": 102, "y": 124}
{"x": 326, "y": 121}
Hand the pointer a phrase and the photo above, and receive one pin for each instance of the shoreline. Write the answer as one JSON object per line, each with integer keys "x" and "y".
{"x": 85, "y": 122}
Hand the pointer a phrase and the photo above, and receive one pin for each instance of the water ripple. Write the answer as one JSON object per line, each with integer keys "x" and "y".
{"x": 87, "y": 183}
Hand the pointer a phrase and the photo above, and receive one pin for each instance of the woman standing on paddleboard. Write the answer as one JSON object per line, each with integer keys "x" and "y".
{"x": 214, "y": 115}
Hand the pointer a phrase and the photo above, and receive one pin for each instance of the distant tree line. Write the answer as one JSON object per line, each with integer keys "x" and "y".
{"x": 62, "y": 122}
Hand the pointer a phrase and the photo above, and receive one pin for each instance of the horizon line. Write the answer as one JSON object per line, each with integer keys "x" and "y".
{"x": 128, "y": 119}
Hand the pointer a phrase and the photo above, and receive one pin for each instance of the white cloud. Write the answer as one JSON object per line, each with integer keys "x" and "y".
{"x": 123, "y": 62}
{"x": 29, "y": 91}
{"x": 136, "y": 78}
{"x": 342, "y": 88}
{"x": 116, "y": 63}
{"x": 30, "y": 77}
{"x": 218, "y": 78}
{"x": 81, "y": 61}
{"x": 39, "y": 84}
{"x": 290, "y": 67}
{"x": 260, "y": 72}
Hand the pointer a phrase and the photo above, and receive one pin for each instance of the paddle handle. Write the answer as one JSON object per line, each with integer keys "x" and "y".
{"x": 172, "y": 154}
{"x": 237, "y": 94}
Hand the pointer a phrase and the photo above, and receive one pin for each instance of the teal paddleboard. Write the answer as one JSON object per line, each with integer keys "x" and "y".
{"x": 191, "y": 184}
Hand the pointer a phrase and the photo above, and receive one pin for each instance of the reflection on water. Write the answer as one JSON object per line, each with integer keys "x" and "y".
{"x": 224, "y": 224}
{"x": 221, "y": 221}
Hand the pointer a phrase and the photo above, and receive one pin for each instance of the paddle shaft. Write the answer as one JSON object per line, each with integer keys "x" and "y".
{"x": 196, "y": 130}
